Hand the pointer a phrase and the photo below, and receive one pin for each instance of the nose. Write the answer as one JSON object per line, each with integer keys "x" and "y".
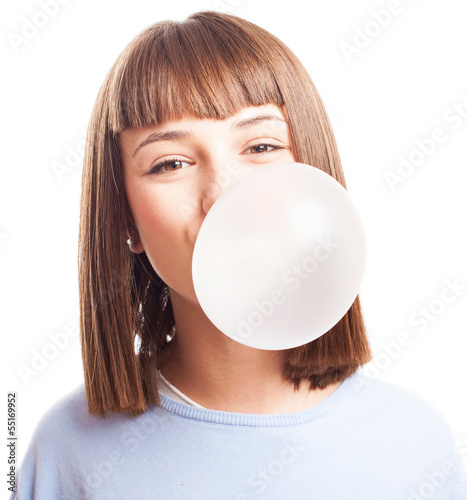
{"x": 218, "y": 179}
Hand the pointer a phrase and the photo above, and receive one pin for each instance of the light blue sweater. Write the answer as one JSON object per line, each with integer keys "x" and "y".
{"x": 369, "y": 440}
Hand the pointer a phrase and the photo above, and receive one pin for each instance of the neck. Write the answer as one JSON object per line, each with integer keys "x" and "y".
{"x": 222, "y": 374}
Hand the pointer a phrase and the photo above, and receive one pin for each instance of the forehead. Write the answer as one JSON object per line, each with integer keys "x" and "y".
{"x": 271, "y": 116}
{"x": 244, "y": 112}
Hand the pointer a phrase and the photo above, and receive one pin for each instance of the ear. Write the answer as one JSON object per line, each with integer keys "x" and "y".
{"x": 135, "y": 244}
{"x": 134, "y": 241}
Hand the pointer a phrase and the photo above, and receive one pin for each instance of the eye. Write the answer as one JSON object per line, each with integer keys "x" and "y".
{"x": 263, "y": 148}
{"x": 168, "y": 166}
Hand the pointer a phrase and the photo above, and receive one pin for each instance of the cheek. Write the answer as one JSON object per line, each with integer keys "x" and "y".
{"x": 165, "y": 222}
{"x": 158, "y": 216}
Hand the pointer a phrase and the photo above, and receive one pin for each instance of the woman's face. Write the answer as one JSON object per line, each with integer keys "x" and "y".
{"x": 175, "y": 171}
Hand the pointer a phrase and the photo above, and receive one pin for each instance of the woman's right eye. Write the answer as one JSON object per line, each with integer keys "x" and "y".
{"x": 167, "y": 166}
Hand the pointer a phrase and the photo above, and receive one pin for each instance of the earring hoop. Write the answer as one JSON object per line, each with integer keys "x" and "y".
{"x": 131, "y": 245}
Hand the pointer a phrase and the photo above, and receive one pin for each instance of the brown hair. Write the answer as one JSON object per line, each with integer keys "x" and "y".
{"x": 209, "y": 66}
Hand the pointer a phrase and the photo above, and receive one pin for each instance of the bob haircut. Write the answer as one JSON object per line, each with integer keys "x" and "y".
{"x": 211, "y": 65}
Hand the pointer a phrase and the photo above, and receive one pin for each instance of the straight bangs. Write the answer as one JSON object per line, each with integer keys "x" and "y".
{"x": 174, "y": 70}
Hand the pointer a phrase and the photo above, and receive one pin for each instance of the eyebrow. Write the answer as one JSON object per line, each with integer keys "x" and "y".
{"x": 173, "y": 135}
{"x": 254, "y": 120}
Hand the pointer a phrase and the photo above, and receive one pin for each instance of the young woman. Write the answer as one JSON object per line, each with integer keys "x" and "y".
{"x": 172, "y": 408}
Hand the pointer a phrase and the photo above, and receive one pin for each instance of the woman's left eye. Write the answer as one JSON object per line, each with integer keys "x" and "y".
{"x": 263, "y": 148}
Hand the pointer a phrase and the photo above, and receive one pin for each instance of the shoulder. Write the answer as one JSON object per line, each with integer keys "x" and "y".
{"x": 67, "y": 415}
{"x": 404, "y": 425}
{"x": 378, "y": 389}
{"x": 391, "y": 399}
{"x": 71, "y": 450}
{"x": 400, "y": 413}
{"x": 67, "y": 428}
{"x": 67, "y": 409}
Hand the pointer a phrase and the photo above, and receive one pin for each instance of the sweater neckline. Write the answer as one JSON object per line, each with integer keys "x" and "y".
{"x": 261, "y": 420}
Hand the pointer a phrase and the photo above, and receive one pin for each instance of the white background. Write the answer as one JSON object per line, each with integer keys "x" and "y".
{"x": 398, "y": 87}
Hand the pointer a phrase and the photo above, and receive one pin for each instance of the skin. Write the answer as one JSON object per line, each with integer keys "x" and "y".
{"x": 169, "y": 207}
